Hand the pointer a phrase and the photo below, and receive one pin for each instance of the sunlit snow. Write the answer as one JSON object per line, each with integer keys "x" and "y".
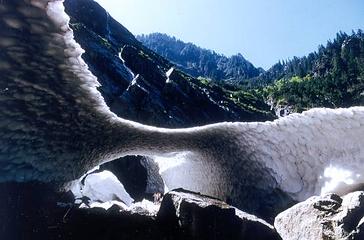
{"x": 337, "y": 178}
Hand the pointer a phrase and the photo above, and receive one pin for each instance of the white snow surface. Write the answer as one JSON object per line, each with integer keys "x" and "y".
{"x": 102, "y": 187}
{"x": 104, "y": 190}
{"x": 55, "y": 126}
{"x": 145, "y": 207}
{"x": 130, "y": 74}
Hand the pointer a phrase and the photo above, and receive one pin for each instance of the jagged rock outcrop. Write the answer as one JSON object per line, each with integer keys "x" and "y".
{"x": 324, "y": 218}
{"x": 202, "y": 217}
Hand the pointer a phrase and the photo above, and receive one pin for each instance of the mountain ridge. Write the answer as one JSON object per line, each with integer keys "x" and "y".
{"x": 198, "y": 61}
{"x": 331, "y": 77}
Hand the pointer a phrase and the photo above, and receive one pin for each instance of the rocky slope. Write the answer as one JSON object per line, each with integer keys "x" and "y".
{"x": 140, "y": 85}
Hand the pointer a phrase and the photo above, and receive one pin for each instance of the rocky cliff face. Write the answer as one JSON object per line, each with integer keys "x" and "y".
{"x": 140, "y": 85}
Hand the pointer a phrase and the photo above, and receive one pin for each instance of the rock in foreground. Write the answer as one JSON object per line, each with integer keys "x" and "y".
{"x": 37, "y": 211}
{"x": 324, "y": 218}
{"x": 202, "y": 217}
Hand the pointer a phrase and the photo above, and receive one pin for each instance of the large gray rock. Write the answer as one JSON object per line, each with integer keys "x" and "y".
{"x": 324, "y": 217}
{"x": 202, "y": 217}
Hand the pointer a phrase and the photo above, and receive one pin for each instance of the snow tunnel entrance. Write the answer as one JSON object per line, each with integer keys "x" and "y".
{"x": 141, "y": 181}
{"x": 139, "y": 175}
{"x": 131, "y": 182}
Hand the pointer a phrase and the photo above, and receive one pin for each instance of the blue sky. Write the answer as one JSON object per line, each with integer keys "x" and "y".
{"x": 264, "y": 31}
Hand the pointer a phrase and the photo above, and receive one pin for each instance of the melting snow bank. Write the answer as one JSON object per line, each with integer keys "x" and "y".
{"x": 145, "y": 207}
{"x": 130, "y": 73}
{"x": 102, "y": 187}
{"x": 103, "y": 190}
{"x": 341, "y": 181}
{"x": 186, "y": 170}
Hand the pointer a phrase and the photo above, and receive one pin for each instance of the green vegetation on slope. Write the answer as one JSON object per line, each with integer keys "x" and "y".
{"x": 331, "y": 77}
{"x": 249, "y": 100}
